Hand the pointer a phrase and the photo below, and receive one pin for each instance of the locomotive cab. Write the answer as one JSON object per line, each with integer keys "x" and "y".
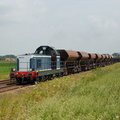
{"x": 44, "y": 58}
{"x": 44, "y": 62}
{"x": 54, "y": 56}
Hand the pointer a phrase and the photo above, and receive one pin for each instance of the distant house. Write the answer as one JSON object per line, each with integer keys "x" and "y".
{"x": 9, "y": 59}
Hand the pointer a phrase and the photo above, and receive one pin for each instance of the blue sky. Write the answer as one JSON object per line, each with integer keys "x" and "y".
{"x": 84, "y": 25}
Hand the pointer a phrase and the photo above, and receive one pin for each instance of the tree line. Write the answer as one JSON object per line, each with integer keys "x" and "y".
{"x": 116, "y": 54}
{"x": 7, "y": 56}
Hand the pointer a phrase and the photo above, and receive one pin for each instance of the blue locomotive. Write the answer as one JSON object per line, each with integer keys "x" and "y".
{"x": 39, "y": 66}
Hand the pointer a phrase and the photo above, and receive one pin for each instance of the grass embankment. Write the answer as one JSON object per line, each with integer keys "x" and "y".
{"x": 5, "y": 67}
{"x": 93, "y": 95}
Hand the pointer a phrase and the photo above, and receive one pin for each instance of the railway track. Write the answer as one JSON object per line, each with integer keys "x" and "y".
{"x": 8, "y": 85}
{"x": 4, "y": 81}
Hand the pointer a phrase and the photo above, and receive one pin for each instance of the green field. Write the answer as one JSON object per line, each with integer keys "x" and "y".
{"x": 5, "y": 67}
{"x": 93, "y": 95}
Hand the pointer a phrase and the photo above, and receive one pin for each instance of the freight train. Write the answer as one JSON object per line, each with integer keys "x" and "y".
{"x": 47, "y": 62}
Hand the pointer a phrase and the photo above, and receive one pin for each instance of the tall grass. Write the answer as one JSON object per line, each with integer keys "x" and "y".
{"x": 93, "y": 95}
{"x": 5, "y": 67}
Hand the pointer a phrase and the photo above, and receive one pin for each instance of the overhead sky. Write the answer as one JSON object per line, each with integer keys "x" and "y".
{"x": 84, "y": 25}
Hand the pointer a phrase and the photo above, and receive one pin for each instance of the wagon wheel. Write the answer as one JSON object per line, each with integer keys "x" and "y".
{"x": 43, "y": 78}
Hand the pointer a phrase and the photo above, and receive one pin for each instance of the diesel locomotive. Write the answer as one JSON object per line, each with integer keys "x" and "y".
{"x": 47, "y": 62}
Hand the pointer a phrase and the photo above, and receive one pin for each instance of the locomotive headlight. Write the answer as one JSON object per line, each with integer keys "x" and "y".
{"x": 31, "y": 69}
{"x": 13, "y": 69}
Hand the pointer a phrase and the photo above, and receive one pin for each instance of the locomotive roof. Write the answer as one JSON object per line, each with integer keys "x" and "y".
{"x": 46, "y": 50}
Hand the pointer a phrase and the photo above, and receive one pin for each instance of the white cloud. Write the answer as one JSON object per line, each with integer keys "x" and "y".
{"x": 117, "y": 12}
{"x": 31, "y": 7}
{"x": 94, "y": 18}
{"x": 103, "y": 23}
{"x": 22, "y": 10}
{"x": 110, "y": 24}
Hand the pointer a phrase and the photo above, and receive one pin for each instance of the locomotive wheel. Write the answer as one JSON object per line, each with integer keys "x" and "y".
{"x": 85, "y": 68}
{"x": 44, "y": 78}
{"x": 65, "y": 73}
